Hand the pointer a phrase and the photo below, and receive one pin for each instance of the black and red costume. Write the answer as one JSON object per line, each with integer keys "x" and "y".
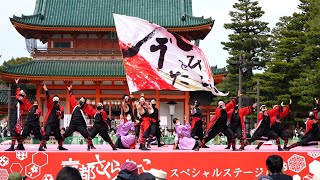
{"x": 100, "y": 125}
{"x": 78, "y": 120}
{"x": 52, "y": 122}
{"x": 155, "y": 130}
{"x": 237, "y": 125}
{"x": 197, "y": 123}
{"x": 32, "y": 124}
{"x": 15, "y": 118}
{"x": 312, "y": 133}
{"x": 144, "y": 129}
{"x": 219, "y": 124}
{"x": 264, "y": 128}
{"x": 277, "y": 127}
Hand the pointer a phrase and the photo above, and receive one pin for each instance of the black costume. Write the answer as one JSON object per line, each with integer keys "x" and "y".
{"x": 197, "y": 124}
{"x": 52, "y": 122}
{"x": 32, "y": 124}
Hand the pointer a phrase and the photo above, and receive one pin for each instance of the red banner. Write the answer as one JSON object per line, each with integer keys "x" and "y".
{"x": 178, "y": 165}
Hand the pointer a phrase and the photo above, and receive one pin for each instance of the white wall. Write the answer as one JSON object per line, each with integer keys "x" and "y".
{"x": 164, "y": 113}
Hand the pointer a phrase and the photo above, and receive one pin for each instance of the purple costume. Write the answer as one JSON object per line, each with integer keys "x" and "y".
{"x": 185, "y": 141}
{"x": 126, "y": 139}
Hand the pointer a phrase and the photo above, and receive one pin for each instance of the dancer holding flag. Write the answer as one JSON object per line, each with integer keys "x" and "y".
{"x": 127, "y": 106}
{"x": 144, "y": 109}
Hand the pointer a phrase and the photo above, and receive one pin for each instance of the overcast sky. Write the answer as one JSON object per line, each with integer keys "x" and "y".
{"x": 12, "y": 44}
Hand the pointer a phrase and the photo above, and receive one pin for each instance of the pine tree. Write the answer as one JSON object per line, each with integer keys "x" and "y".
{"x": 287, "y": 44}
{"x": 250, "y": 38}
{"x": 306, "y": 86}
{"x": 295, "y": 51}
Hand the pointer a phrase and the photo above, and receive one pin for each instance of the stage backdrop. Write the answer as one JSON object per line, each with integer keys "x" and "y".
{"x": 178, "y": 165}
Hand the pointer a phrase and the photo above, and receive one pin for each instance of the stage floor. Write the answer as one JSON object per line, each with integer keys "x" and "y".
{"x": 155, "y": 148}
{"x": 208, "y": 163}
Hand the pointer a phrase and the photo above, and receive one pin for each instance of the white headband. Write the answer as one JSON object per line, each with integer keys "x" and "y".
{"x": 55, "y": 98}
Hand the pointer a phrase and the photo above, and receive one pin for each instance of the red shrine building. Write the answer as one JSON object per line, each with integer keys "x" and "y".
{"x": 75, "y": 42}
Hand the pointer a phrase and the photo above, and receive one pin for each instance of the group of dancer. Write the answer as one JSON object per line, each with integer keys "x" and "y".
{"x": 230, "y": 121}
{"x": 141, "y": 123}
{"x": 146, "y": 119}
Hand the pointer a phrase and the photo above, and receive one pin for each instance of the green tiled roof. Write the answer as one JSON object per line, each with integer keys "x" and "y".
{"x": 98, "y": 13}
{"x": 31, "y": 93}
{"x": 216, "y": 70}
{"x": 79, "y": 68}
{"x": 3, "y": 97}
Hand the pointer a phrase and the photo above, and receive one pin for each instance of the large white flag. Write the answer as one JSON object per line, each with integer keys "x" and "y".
{"x": 155, "y": 58}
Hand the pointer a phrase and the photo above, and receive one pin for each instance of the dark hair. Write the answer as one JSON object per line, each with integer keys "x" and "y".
{"x": 125, "y": 96}
{"x": 174, "y": 120}
{"x": 274, "y": 163}
{"x": 146, "y": 176}
{"x": 69, "y": 173}
{"x": 197, "y": 102}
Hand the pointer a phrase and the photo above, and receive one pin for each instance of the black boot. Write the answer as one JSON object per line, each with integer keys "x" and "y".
{"x": 233, "y": 143}
{"x": 61, "y": 148}
{"x": 229, "y": 146}
{"x": 41, "y": 148}
{"x": 198, "y": 146}
{"x": 259, "y": 145}
{"x": 203, "y": 144}
{"x": 279, "y": 146}
{"x": 144, "y": 148}
{"x": 244, "y": 145}
{"x": 20, "y": 147}
{"x": 285, "y": 144}
{"x": 45, "y": 146}
{"x": 92, "y": 147}
{"x": 11, "y": 148}
{"x": 114, "y": 148}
